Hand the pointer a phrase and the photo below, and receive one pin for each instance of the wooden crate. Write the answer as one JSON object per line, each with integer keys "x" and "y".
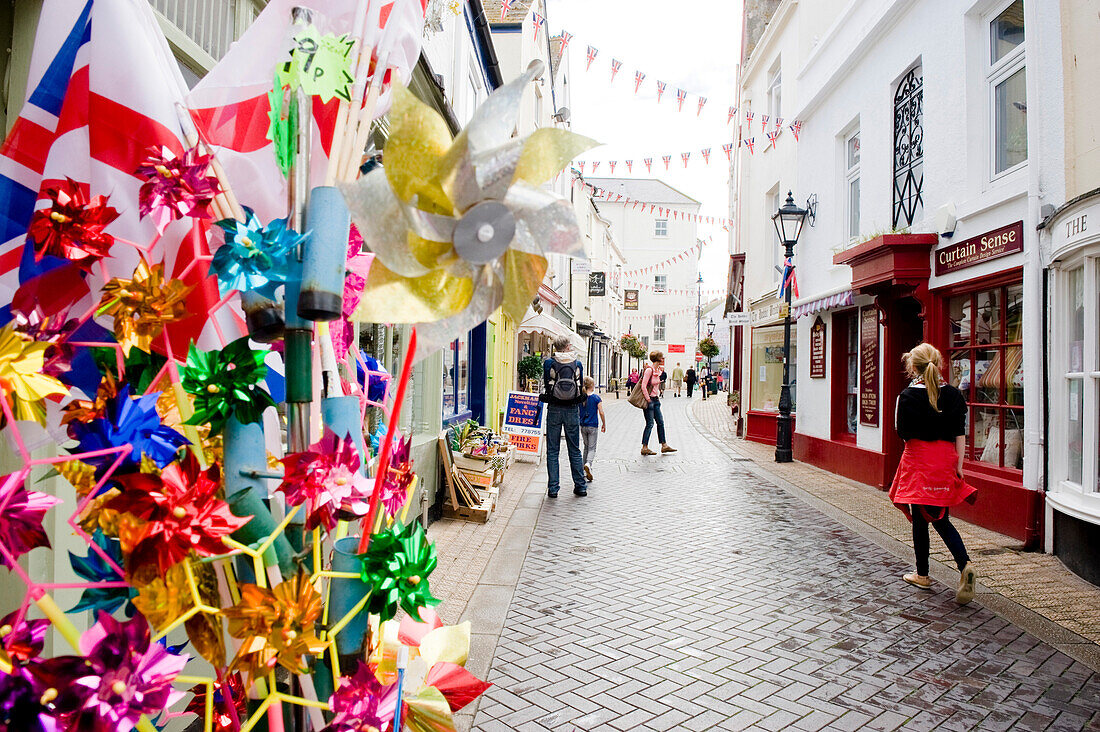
{"x": 478, "y": 515}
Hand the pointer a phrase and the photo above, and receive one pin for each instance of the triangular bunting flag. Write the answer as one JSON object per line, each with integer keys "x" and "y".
{"x": 764, "y": 122}
{"x": 732, "y": 114}
{"x": 611, "y": 164}
{"x": 505, "y": 6}
{"x": 591, "y": 54}
{"x": 702, "y": 103}
{"x": 639, "y": 77}
{"x": 796, "y": 128}
{"x": 595, "y": 165}
{"x": 648, "y": 165}
{"x": 537, "y": 21}
{"x": 615, "y": 66}
{"x": 660, "y": 90}
{"x": 748, "y": 121}
{"x": 565, "y": 38}
{"x": 684, "y": 157}
{"x": 629, "y": 166}
{"x": 771, "y": 138}
{"x": 681, "y": 96}
{"x": 706, "y": 155}
{"x": 748, "y": 143}
{"x": 728, "y": 150}
{"x": 667, "y": 159}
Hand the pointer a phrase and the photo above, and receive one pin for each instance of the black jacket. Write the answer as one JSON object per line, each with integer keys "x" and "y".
{"x": 917, "y": 420}
{"x": 690, "y": 377}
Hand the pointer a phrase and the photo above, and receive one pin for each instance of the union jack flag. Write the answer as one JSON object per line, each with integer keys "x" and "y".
{"x": 681, "y": 96}
{"x": 732, "y": 114}
{"x": 706, "y": 155}
{"x": 629, "y": 166}
{"x": 796, "y": 128}
{"x": 788, "y": 279}
{"x": 591, "y": 54}
{"x": 537, "y": 21}
{"x": 615, "y": 66}
{"x": 648, "y": 165}
{"x": 639, "y": 77}
{"x": 702, "y": 101}
{"x": 595, "y": 165}
{"x": 505, "y": 6}
{"x": 778, "y": 122}
{"x": 611, "y": 164}
{"x": 581, "y": 166}
{"x": 748, "y": 141}
{"x": 667, "y": 159}
{"x": 684, "y": 157}
{"x": 748, "y": 121}
{"x": 764, "y": 122}
{"x": 565, "y": 38}
{"x": 772, "y": 136}
{"x": 660, "y": 90}
{"x": 728, "y": 150}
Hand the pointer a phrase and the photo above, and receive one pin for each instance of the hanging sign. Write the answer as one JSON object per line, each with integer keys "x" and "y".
{"x": 630, "y": 299}
{"x": 738, "y": 319}
{"x": 817, "y": 350}
{"x": 868, "y": 367}
{"x": 991, "y": 245}
{"x": 597, "y": 284}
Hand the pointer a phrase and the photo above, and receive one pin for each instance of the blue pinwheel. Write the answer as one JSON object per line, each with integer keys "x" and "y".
{"x": 129, "y": 421}
{"x": 94, "y": 568}
{"x": 254, "y": 258}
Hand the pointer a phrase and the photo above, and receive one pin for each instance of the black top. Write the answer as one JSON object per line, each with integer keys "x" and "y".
{"x": 916, "y": 420}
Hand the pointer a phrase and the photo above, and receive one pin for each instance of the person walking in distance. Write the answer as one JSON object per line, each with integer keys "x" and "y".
{"x": 931, "y": 417}
{"x": 563, "y": 391}
{"x": 593, "y": 422}
{"x": 677, "y": 380}
{"x": 704, "y": 381}
{"x": 690, "y": 378}
{"x": 651, "y": 388}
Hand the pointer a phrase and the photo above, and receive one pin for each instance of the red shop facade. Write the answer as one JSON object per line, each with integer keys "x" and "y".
{"x": 976, "y": 322}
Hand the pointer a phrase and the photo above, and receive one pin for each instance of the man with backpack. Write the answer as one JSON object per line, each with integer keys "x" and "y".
{"x": 562, "y": 391}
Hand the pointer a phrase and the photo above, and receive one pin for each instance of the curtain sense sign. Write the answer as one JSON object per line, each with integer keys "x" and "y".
{"x": 997, "y": 243}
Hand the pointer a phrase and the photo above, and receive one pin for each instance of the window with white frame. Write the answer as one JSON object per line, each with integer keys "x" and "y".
{"x": 1006, "y": 76}
{"x": 1081, "y": 386}
{"x": 658, "y": 328}
{"x": 851, "y": 178}
{"x": 660, "y": 283}
{"x": 660, "y": 228}
{"x": 772, "y": 205}
{"x": 775, "y": 90}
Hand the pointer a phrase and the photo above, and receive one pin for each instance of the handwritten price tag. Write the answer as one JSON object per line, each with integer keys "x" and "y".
{"x": 319, "y": 65}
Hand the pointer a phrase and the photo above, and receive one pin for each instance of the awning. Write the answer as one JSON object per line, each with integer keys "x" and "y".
{"x": 546, "y": 325}
{"x": 839, "y": 300}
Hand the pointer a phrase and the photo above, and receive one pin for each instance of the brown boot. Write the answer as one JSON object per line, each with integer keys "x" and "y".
{"x": 666, "y": 448}
{"x": 647, "y": 451}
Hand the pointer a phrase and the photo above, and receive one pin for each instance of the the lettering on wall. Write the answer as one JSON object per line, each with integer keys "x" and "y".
{"x": 868, "y": 366}
{"x": 817, "y": 349}
{"x": 991, "y": 245}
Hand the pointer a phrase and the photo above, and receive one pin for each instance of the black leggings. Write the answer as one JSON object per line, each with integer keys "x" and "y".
{"x": 690, "y": 386}
{"x": 941, "y": 522}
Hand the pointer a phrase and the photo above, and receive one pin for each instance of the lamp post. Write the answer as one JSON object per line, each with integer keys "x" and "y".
{"x": 710, "y": 359}
{"x": 788, "y": 222}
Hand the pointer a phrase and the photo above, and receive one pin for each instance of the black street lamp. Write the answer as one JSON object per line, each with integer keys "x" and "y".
{"x": 788, "y": 222}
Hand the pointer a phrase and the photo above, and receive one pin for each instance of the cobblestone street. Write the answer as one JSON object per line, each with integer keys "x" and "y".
{"x": 684, "y": 592}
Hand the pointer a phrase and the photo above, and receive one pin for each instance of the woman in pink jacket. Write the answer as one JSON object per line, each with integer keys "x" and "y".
{"x": 651, "y": 388}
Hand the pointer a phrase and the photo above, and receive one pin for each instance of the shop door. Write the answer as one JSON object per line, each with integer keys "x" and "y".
{"x": 904, "y": 330}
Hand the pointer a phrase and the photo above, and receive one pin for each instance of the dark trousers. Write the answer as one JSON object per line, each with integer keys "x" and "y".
{"x": 690, "y": 386}
{"x": 941, "y": 522}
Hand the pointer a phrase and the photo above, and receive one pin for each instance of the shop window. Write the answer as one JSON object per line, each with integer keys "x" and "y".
{"x": 767, "y": 368}
{"x": 1075, "y": 377}
{"x": 985, "y": 357}
{"x": 1006, "y": 76}
{"x": 845, "y": 375}
{"x": 909, "y": 149}
{"x": 659, "y": 328}
{"x": 660, "y": 283}
{"x": 456, "y": 378}
{"x": 660, "y": 228}
{"x": 851, "y": 160}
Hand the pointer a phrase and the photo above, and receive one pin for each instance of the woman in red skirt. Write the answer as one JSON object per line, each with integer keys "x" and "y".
{"x": 931, "y": 418}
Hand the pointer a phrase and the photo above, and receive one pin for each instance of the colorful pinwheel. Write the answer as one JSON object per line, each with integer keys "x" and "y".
{"x": 22, "y": 382}
{"x": 143, "y": 305}
{"x": 128, "y": 421}
{"x": 225, "y": 719}
{"x": 121, "y": 676}
{"x": 277, "y": 626}
{"x": 226, "y": 383}
{"x": 396, "y": 567}
{"x": 327, "y": 479}
{"x": 21, "y": 516}
{"x": 254, "y": 257}
{"x": 460, "y": 228}
{"x": 399, "y": 477}
{"x": 175, "y": 187}
{"x": 21, "y": 640}
{"x": 94, "y": 568}
{"x": 72, "y": 227}
{"x": 359, "y": 702}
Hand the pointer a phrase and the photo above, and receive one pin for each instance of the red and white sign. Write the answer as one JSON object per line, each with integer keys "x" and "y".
{"x": 676, "y": 348}
{"x": 698, "y": 356}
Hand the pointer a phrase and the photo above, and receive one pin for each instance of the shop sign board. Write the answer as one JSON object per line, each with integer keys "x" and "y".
{"x": 817, "y": 349}
{"x": 738, "y": 319}
{"x": 991, "y": 245}
{"x": 523, "y": 421}
{"x": 766, "y": 313}
{"x": 676, "y": 348}
{"x": 868, "y": 366}
{"x": 597, "y": 284}
{"x": 582, "y": 266}
{"x": 630, "y": 299}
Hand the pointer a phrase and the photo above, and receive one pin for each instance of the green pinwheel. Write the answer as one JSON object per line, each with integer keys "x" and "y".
{"x": 396, "y": 566}
{"x": 225, "y": 383}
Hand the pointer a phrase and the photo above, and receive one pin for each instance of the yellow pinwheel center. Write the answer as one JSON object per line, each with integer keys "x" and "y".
{"x": 213, "y": 388}
{"x": 5, "y": 630}
{"x": 414, "y": 580}
{"x": 118, "y": 687}
{"x": 48, "y": 696}
{"x": 179, "y": 512}
{"x": 341, "y": 481}
{"x": 60, "y": 217}
{"x": 246, "y": 242}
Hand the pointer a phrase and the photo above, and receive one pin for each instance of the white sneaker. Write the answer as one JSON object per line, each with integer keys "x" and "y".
{"x": 588, "y": 472}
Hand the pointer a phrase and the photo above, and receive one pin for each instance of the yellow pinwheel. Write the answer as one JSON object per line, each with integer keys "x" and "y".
{"x": 22, "y": 382}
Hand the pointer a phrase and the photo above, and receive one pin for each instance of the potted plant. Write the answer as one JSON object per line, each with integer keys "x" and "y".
{"x": 530, "y": 370}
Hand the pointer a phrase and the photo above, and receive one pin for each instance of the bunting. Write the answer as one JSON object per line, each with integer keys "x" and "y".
{"x": 748, "y": 141}
{"x": 537, "y": 21}
{"x": 629, "y": 166}
{"x": 748, "y": 122}
{"x": 565, "y": 38}
{"x": 611, "y": 164}
{"x": 639, "y": 77}
{"x": 685, "y": 157}
{"x": 702, "y": 103}
{"x": 580, "y": 165}
{"x": 667, "y": 159}
{"x": 591, "y": 54}
{"x": 681, "y": 96}
{"x": 615, "y": 66}
{"x": 661, "y": 211}
{"x": 595, "y": 165}
{"x": 732, "y": 114}
{"x": 727, "y": 149}
{"x": 505, "y": 6}
{"x": 660, "y": 90}
{"x": 681, "y": 311}
{"x": 779, "y": 123}
{"x": 648, "y": 165}
{"x": 796, "y": 128}
{"x": 706, "y": 155}
{"x": 771, "y": 138}
{"x": 764, "y": 123}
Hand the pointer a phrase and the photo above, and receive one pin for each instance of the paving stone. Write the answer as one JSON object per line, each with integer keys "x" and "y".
{"x": 685, "y": 592}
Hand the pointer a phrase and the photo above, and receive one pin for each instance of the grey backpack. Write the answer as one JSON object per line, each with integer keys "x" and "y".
{"x": 565, "y": 382}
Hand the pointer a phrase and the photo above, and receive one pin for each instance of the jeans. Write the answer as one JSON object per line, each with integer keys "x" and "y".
{"x": 590, "y": 435}
{"x": 568, "y": 418}
{"x": 653, "y": 413}
{"x": 943, "y": 527}
{"x": 691, "y": 386}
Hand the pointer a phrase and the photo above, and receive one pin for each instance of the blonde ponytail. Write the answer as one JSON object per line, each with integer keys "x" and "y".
{"x": 925, "y": 363}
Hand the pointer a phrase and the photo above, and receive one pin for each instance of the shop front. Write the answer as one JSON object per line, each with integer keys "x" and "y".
{"x": 1072, "y": 518}
{"x": 766, "y": 370}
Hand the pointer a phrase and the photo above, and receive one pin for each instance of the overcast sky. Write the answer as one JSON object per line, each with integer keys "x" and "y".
{"x": 690, "y": 44}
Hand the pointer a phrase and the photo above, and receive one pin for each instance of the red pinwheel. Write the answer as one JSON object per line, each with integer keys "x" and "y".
{"x": 21, "y": 514}
{"x": 175, "y": 187}
{"x": 72, "y": 227}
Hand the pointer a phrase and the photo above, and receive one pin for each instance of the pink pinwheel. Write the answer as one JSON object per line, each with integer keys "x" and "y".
{"x": 327, "y": 479}
{"x": 399, "y": 476}
{"x": 175, "y": 187}
{"x": 358, "y": 267}
{"x": 21, "y": 640}
{"x": 21, "y": 514}
{"x": 359, "y": 702}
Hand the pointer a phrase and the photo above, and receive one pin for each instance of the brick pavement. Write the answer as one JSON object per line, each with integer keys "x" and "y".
{"x": 686, "y": 593}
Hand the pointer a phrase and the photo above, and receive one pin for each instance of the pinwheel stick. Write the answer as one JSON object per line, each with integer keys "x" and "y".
{"x": 387, "y": 443}
{"x": 361, "y": 53}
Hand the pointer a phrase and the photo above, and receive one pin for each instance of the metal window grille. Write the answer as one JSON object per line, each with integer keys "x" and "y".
{"x": 908, "y": 148}
{"x": 211, "y": 24}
